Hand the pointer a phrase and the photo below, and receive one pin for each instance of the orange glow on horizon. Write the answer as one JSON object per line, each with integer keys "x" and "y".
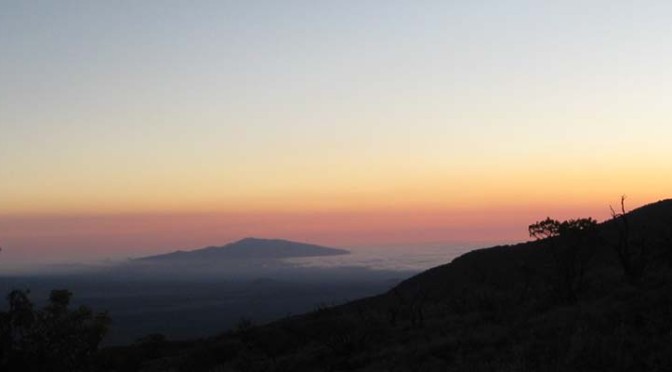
{"x": 123, "y": 235}
{"x": 472, "y": 190}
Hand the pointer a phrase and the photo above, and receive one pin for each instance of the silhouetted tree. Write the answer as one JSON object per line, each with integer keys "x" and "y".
{"x": 572, "y": 245}
{"x": 55, "y": 338}
{"x": 633, "y": 256}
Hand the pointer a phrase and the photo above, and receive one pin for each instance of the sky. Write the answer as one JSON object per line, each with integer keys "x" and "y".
{"x": 130, "y": 127}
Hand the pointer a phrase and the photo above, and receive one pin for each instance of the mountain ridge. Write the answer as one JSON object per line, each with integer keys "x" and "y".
{"x": 249, "y": 248}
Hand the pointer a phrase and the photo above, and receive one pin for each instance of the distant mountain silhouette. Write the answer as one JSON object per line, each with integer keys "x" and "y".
{"x": 248, "y": 249}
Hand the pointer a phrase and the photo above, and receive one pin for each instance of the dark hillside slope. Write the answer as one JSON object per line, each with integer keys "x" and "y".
{"x": 507, "y": 265}
{"x": 496, "y": 309}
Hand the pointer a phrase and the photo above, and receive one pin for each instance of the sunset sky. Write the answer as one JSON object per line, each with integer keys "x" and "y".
{"x": 131, "y": 127}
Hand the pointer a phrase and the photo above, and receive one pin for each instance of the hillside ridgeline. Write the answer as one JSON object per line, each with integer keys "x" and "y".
{"x": 592, "y": 299}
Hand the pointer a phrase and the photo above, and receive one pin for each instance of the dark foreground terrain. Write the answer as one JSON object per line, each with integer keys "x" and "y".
{"x": 590, "y": 301}
{"x": 181, "y": 309}
{"x": 581, "y": 297}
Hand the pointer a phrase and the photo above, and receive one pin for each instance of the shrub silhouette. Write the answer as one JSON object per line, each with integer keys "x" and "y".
{"x": 572, "y": 244}
{"x": 55, "y": 338}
